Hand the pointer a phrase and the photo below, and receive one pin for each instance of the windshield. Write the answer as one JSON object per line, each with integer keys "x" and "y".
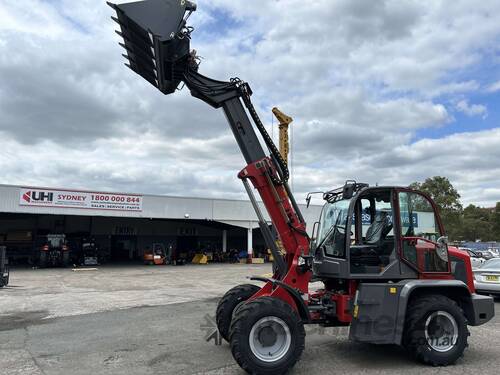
{"x": 333, "y": 214}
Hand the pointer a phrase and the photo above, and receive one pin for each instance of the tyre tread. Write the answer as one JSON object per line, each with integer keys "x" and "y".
{"x": 253, "y": 307}
{"x": 222, "y": 315}
{"x": 415, "y": 312}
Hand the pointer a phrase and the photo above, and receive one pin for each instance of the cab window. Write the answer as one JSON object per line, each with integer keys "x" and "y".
{"x": 420, "y": 232}
{"x": 332, "y": 229}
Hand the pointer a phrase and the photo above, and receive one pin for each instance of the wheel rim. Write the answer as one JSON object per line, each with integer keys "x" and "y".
{"x": 441, "y": 331}
{"x": 270, "y": 339}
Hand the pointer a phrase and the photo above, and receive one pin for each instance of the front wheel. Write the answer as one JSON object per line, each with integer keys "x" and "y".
{"x": 267, "y": 336}
{"x": 435, "y": 330}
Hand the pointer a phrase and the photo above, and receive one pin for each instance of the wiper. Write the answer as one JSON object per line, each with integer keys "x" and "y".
{"x": 330, "y": 231}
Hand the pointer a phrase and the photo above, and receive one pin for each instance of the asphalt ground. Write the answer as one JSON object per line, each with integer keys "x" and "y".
{"x": 159, "y": 320}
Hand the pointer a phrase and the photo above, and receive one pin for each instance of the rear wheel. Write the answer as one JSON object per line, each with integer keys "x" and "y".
{"x": 267, "y": 336}
{"x": 233, "y": 298}
{"x": 436, "y": 330}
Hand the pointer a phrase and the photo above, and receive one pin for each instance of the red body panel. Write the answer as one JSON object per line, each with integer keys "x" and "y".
{"x": 463, "y": 255}
{"x": 285, "y": 219}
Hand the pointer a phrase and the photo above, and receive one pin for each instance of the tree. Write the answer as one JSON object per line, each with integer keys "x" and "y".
{"x": 477, "y": 223}
{"x": 496, "y": 222}
{"x": 442, "y": 192}
{"x": 447, "y": 199}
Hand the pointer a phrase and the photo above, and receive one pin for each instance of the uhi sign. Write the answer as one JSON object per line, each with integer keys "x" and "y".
{"x": 79, "y": 199}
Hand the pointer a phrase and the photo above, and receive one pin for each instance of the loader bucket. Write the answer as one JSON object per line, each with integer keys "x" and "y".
{"x": 155, "y": 39}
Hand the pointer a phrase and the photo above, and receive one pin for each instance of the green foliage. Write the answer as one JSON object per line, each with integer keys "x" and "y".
{"x": 496, "y": 222}
{"x": 442, "y": 192}
{"x": 461, "y": 224}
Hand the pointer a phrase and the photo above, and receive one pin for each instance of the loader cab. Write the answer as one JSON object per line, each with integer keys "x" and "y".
{"x": 387, "y": 233}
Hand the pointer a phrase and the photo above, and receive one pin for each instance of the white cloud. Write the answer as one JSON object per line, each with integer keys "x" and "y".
{"x": 472, "y": 109}
{"x": 360, "y": 79}
{"x": 494, "y": 87}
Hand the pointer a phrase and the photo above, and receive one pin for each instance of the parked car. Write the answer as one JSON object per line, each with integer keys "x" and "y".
{"x": 495, "y": 251}
{"x": 475, "y": 259}
{"x": 486, "y": 254}
{"x": 487, "y": 277}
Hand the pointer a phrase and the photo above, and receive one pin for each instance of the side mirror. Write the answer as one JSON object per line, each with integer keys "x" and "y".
{"x": 314, "y": 234}
{"x": 443, "y": 240}
{"x": 442, "y": 248}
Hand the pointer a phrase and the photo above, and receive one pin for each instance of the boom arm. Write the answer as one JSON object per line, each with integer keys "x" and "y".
{"x": 163, "y": 57}
{"x": 266, "y": 173}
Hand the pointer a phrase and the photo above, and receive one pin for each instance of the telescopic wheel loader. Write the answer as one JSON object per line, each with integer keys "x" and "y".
{"x": 380, "y": 275}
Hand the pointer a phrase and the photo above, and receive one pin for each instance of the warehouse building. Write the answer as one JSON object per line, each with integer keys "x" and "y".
{"x": 124, "y": 225}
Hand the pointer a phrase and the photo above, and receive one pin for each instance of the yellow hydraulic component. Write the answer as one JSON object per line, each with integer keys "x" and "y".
{"x": 257, "y": 260}
{"x": 200, "y": 259}
{"x": 284, "y": 123}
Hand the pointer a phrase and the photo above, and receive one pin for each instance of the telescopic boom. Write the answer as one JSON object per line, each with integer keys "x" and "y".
{"x": 157, "y": 43}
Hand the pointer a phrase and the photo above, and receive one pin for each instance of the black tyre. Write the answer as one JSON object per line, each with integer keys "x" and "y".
{"x": 267, "y": 336}
{"x": 436, "y": 330}
{"x": 65, "y": 259}
{"x": 228, "y": 303}
{"x": 4, "y": 281}
{"x": 42, "y": 262}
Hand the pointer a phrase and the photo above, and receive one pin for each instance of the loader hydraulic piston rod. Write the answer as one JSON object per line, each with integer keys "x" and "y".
{"x": 281, "y": 267}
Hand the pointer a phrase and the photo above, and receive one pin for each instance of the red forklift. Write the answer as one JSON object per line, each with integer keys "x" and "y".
{"x": 381, "y": 274}
{"x": 155, "y": 256}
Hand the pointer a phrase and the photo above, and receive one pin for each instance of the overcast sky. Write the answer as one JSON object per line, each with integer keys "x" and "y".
{"x": 386, "y": 92}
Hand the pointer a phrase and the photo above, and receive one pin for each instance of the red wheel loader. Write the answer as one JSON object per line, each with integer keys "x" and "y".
{"x": 380, "y": 274}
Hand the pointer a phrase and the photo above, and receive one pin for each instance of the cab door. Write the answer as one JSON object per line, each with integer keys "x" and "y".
{"x": 422, "y": 243}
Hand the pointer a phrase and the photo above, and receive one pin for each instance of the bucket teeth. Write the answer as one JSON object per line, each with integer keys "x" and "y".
{"x": 132, "y": 47}
{"x": 121, "y": 34}
{"x": 140, "y": 61}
